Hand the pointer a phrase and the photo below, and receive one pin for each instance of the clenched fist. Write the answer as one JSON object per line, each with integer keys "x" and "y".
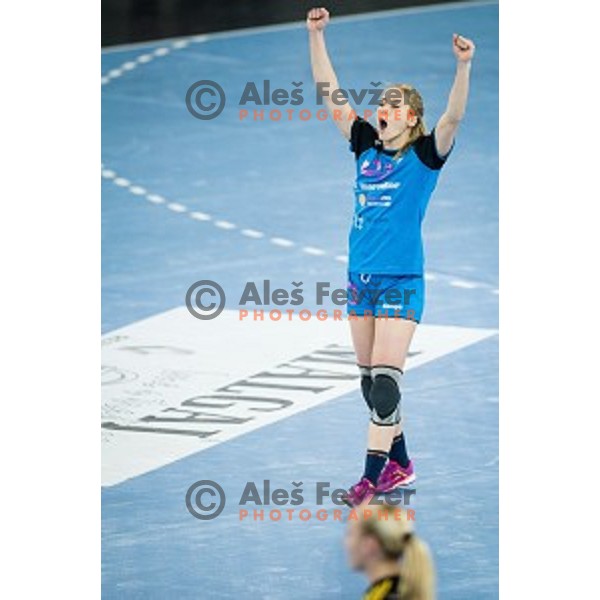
{"x": 317, "y": 19}
{"x": 463, "y": 48}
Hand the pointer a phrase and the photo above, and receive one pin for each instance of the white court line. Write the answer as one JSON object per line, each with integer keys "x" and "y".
{"x": 222, "y": 224}
{"x": 200, "y": 216}
{"x": 252, "y": 233}
{"x": 313, "y": 251}
{"x": 176, "y": 207}
{"x": 282, "y": 242}
{"x": 248, "y": 31}
{"x": 464, "y": 284}
{"x": 225, "y": 225}
{"x": 143, "y": 59}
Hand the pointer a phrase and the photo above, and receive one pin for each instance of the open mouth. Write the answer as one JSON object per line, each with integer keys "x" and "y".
{"x": 382, "y": 124}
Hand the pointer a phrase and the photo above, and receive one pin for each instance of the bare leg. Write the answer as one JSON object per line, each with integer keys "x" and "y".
{"x": 363, "y": 335}
{"x": 391, "y": 343}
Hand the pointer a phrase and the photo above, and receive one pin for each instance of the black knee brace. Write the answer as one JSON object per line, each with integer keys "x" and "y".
{"x": 365, "y": 383}
{"x": 385, "y": 395}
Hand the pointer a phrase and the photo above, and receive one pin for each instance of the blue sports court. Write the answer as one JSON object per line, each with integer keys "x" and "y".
{"x": 233, "y": 201}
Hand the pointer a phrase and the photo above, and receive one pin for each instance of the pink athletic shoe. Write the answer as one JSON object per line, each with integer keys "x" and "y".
{"x": 361, "y": 492}
{"x": 394, "y": 476}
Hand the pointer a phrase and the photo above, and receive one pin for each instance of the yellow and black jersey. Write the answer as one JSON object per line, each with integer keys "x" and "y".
{"x": 384, "y": 589}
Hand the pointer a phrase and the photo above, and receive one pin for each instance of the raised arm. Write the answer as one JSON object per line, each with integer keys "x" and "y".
{"x": 445, "y": 130}
{"x": 323, "y": 72}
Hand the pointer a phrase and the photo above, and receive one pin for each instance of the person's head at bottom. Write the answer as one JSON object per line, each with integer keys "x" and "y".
{"x": 385, "y": 548}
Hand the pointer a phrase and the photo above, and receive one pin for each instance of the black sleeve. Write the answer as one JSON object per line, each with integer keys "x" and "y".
{"x": 362, "y": 136}
{"x": 427, "y": 152}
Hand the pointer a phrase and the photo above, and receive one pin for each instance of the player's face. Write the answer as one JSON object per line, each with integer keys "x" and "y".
{"x": 394, "y": 116}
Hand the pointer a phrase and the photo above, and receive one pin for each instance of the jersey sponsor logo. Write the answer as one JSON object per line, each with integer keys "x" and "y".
{"x": 386, "y": 185}
{"x": 176, "y": 385}
{"x": 376, "y": 167}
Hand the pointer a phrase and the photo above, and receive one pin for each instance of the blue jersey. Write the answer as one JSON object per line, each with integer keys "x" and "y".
{"x": 391, "y": 197}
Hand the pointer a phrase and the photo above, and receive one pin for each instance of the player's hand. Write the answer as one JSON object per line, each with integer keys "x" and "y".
{"x": 463, "y": 48}
{"x": 317, "y": 19}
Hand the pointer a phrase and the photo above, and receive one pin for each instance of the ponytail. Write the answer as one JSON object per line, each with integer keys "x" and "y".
{"x": 417, "y": 577}
{"x": 398, "y": 542}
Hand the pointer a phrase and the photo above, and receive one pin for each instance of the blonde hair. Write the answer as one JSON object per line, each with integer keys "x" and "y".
{"x": 399, "y": 542}
{"x": 413, "y": 98}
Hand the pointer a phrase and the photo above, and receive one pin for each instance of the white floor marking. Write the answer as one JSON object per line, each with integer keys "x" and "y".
{"x": 200, "y": 216}
{"x": 173, "y": 385}
{"x": 461, "y": 283}
{"x": 276, "y": 241}
{"x": 178, "y": 45}
{"x": 224, "y": 225}
{"x": 145, "y": 58}
{"x": 313, "y": 251}
{"x": 282, "y": 242}
{"x": 176, "y": 207}
{"x": 252, "y": 233}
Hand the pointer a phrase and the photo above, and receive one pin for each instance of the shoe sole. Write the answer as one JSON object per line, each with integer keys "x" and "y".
{"x": 404, "y": 484}
{"x": 350, "y": 505}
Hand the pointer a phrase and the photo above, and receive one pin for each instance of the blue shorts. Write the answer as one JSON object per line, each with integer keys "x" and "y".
{"x": 401, "y": 296}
